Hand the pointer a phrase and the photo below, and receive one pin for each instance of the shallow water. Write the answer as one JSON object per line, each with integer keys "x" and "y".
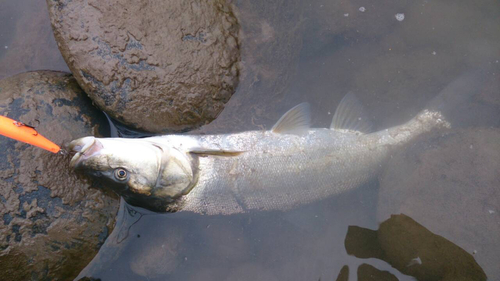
{"x": 325, "y": 49}
{"x": 26, "y": 39}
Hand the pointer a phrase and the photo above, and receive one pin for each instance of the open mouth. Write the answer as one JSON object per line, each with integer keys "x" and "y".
{"x": 83, "y": 149}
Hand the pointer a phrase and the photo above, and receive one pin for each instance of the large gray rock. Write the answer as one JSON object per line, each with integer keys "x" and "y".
{"x": 156, "y": 66}
{"x": 52, "y": 222}
{"x": 450, "y": 184}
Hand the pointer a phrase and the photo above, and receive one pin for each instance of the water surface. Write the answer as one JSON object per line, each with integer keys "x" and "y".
{"x": 314, "y": 51}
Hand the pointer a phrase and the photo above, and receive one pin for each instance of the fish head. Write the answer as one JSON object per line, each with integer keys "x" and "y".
{"x": 136, "y": 169}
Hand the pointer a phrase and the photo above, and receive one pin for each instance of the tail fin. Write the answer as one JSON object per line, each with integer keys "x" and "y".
{"x": 458, "y": 92}
{"x": 440, "y": 110}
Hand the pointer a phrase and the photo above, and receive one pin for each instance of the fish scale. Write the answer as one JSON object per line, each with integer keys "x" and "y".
{"x": 280, "y": 172}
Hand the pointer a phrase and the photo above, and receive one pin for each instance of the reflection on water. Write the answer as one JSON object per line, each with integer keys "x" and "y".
{"x": 316, "y": 51}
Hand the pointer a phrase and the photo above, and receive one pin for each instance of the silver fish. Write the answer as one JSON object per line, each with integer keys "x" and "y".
{"x": 287, "y": 166}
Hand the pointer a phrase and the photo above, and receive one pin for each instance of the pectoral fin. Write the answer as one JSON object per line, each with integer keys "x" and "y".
{"x": 215, "y": 152}
{"x": 351, "y": 115}
{"x": 295, "y": 121}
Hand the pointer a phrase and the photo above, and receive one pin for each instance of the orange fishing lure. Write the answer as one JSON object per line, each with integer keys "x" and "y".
{"x": 22, "y": 132}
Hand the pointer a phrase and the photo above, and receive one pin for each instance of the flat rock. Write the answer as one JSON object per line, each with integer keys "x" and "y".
{"x": 450, "y": 183}
{"x": 158, "y": 67}
{"x": 52, "y": 222}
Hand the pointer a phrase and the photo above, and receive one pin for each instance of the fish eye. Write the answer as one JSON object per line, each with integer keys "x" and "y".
{"x": 121, "y": 174}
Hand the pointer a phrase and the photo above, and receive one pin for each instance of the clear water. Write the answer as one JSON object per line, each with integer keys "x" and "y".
{"x": 325, "y": 49}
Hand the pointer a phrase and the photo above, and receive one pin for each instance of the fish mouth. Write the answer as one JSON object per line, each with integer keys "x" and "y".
{"x": 83, "y": 148}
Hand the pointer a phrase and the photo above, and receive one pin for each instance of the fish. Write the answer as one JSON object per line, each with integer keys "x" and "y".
{"x": 278, "y": 169}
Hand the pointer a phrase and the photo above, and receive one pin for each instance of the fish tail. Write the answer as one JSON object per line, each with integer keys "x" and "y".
{"x": 449, "y": 101}
{"x": 439, "y": 112}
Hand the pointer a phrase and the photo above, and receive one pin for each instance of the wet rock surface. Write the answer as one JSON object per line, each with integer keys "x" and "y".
{"x": 157, "y": 67}
{"x": 52, "y": 222}
{"x": 449, "y": 182}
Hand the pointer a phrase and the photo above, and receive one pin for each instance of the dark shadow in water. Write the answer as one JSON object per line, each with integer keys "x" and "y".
{"x": 410, "y": 248}
{"x": 119, "y": 130}
{"x": 117, "y": 241}
{"x": 301, "y": 244}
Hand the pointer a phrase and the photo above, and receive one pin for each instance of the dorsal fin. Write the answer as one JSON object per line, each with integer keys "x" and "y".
{"x": 351, "y": 115}
{"x": 295, "y": 121}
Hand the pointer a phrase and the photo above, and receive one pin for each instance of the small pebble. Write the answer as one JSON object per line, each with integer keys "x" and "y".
{"x": 362, "y": 9}
{"x": 347, "y": 14}
{"x": 434, "y": 53}
{"x": 6, "y": 47}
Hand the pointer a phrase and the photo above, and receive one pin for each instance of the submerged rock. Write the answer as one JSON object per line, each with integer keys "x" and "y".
{"x": 343, "y": 274}
{"x": 367, "y": 272}
{"x": 450, "y": 183}
{"x": 53, "y": 224}
{"x": 411, "y": 249}
{"x": 156, "y": 66}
